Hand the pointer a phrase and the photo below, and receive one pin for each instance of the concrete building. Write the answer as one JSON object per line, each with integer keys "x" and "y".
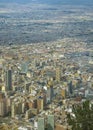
{"x": 63, "y": 92}
{"x": 50, "y": 122}
{"x": 70, "y": 88}
{"x": 3, "y": 107}
{"x": 50, "y": 91}
{"x": 13, "y": 110}
{"x": 9, "y": 80}
{"x": 28, "y": 114}
{"x": 41, "y": 124}
{"x": 49, "y": 94}
{"x": 40, "y": 104}
{"x": 16, "y": 108}
{"x": 58, "y": 74}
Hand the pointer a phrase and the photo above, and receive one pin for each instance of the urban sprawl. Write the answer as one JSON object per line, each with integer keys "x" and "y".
{"x": 39, "y": 83}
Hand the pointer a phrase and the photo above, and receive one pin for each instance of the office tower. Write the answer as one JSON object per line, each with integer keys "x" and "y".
{"x": 50, "y": 123}
{"x": 44, "y": 99}
{"x": 50, "y": 94}
{"x": 70, "y": 88}
{"x": 19, "y": 107}
{"x": 16, "y": 108}
{"x": 50, "y": 91}
{"x": 9, "y": 80}
{"x": 1, "y": 74}
{"x": 24, "y": 67}
{"x": 13, "y": 110}
{"x": 58, "y": 74}
{"x": 41, "y": 124}
{"x": 23, "y": 107}
{"x": 63, "y": 92}
{"x": 40, "y": 104}
{"x": 3, "y": 107}
{"x": 4, "y": 104}
{"x": 8, "y": 104}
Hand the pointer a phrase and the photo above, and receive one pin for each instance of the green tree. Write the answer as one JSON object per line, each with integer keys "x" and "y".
{"x": 82, "y": 117}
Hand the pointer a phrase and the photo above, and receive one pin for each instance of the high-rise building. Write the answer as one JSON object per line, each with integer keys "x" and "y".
{"x": 40, "y": 104}
{"x": 9, "y": 80}
{"x": 70, "y": 88}
{"x": 63, "y": 93}
{"x": 13, "y": 110}
{"x": 4, "y": 104}
{"x": 49, "y": 94}
{"x": 50, "y": 91}
{"x": 58, "y": 74}
{"x": 24, "y": 67}
{"x": 41, "y": 124}
{"x": 3, "y": 107}
{"x": 50, "y": 123}
{"x": 16, "y": 108}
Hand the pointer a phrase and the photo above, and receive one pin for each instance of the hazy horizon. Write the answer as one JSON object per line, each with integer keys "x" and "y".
{"x": 76, "y": 2}
{"x": 33, "y": 21}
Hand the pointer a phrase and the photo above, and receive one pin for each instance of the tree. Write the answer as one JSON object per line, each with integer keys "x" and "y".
{"x": 82, "y": 117}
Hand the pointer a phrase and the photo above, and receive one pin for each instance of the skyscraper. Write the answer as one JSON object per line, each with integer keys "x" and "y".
{"x": 3, "y": 105}
{"x": 40, "y": 103}
{"x": 70, "y": 88}
{"x": 50, "y": 91}
{"x": 9, "y": 80}
{"x": 58, "y": 74}
{"x": 63, "y": 92}
{"x": 3, "y": 110}
{"x": 50, "y": 122}
{"x": 41, "y": 124}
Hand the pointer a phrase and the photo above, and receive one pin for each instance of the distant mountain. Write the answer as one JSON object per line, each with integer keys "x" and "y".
{"x": 80, "y": 2}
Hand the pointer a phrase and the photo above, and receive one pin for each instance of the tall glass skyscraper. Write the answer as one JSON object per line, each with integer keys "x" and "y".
{"x": 9, "y": 80}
